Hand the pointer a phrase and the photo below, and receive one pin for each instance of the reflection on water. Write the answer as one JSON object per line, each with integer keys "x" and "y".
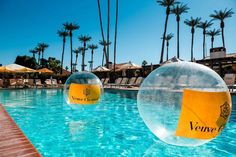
{"x": 124, "y": 94}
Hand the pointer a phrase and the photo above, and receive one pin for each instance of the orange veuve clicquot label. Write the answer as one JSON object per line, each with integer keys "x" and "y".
{"x": 84, "y": 93}
{"x": 203, "y": 114}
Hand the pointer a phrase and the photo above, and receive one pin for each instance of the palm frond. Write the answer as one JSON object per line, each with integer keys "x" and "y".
{"x": 222, "y": 14}
{"x": 204, "y": 25}
{"x": 33, "y": 51}
{"x": 43, "y": 45}
{"x": 214, "y": 32}
{"x": 62, "y": 33}
{"x": 84, "y": 38}
{"x": 104, "y": 43}
{"x": 76, "y": 51}
{"x": 71, "y": 26}
{"x": 167, "y": 3}
{"x": 179, "y": 9}
{"x": 92, "y": 46}
{"x": 192, "y": 22}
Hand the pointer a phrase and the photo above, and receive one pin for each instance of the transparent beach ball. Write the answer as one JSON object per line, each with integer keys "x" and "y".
{"x": 184, "y": 103}
{"x": 83, "y": 88}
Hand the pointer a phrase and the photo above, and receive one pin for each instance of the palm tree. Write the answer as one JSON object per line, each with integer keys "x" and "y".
{"x": 213, "y": 33}
{"x": 116, "y": 24}
{"x": 144, "y": 63}
{"x": 66, "y": 68}
{"x": 101, "y": 27}
{"x": 104, "y": 44}
{"x": 178, "y": 10}
{"x": 92, "y": 47}
{"x": 63, "y": 34}
{"x": 43, "y": 46}
{"x": 70, "y": 27}
{"x": 76, "y": 51}
{"x": 167, "y": 4}
{"x": 33, "y": 51}
{"x": 192, "y": 23}
{"x": 204, "y": 26}
{"x": 222, "y": 15}
{"x": 38, "y": 49}
{"x": 84, "y": 39}
{"x": 168, "y": 38}
{"x": 82, "y": 50}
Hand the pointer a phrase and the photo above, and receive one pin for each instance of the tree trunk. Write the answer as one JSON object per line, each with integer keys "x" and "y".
{"x": 82, "y": 66}
{"x": 76, "y": 59}
{"x": 164, "y": 34}
{"x": 42, "y": 54}
{"x": 204, "y": 43}
{"x": 108, "y": 29}
{"x": 116, "y": 24}
{"x": 192, "y": 46}
{"x": 62, "y": 54}
{"x": 71, "y": 54}
{"x": 167, "y": 51}
{"x": 83, "y": 56}
{"x": 101, "y": 26}
{"x": 222, "y": 33}
{"x": 178, "y": 19}
{"x": 103, "y": 56}
{"x": 39, "y": 58}
{"x": 92, "y": 61}
{"x": 212, "y": 42}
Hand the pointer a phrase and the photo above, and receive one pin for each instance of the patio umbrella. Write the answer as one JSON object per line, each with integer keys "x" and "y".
{"x": 19, "y": 68}
{"x": 101, "y": 69}
{"x": 129, "y": 65}
{"x": 172, "y": 60}
{"x": 4, "y": 70}
{"x": 45, "y": 70}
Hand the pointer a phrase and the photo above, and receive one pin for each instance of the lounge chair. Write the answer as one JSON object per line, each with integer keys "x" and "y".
{"x": 54, "y": 82}
{"x": 230, "y": 81}
{"x": 130, "y": 83}
{"x": 30, "y": 83}
{"x": 138, "y": 81}
{"x": 38, "y": 83}
{"x": 102, "y": 80}
{"x": 117, "y": 82}
{"x": 12, "y": 83}
{"x": 106, "y": 81}
{"x": 48, "y": 82}
{"x": 124, "y": 81}
{"x": 20, "y": 83}
{"x": 1, "y": 83}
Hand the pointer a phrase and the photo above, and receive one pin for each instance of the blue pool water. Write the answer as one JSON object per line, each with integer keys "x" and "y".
{"x": 112, "y": 128}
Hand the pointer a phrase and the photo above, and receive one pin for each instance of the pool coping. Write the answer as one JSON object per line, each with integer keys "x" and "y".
{"x": 13, "y": 142}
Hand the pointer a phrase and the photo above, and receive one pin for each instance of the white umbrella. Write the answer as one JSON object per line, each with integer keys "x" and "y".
{"x": 129, "y": 65}
{"x": 100, "y": 69}
{"x": 18, "y": 68}
{"x": 172, "y": 60}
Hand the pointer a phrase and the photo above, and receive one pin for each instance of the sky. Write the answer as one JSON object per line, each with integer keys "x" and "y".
{"x": 25, "y": 23}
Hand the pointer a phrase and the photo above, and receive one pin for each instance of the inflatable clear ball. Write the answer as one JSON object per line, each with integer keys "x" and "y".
{"x": 83, "y": 88}
{"x": 184, "y": 103}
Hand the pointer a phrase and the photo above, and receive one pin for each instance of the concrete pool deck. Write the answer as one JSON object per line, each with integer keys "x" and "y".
{"x": 13, "y": 142}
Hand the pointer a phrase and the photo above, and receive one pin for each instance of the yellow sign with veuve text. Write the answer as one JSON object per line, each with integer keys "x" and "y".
{"x": 203, "y": 114}
{"x": 84, "y": 93}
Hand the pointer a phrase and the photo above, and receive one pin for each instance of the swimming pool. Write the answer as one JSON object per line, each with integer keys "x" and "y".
{"x": 113, "y": 128}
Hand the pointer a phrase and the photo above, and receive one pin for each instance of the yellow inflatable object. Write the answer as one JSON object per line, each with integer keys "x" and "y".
{"x": 203, "y": 114}
{"x": 84, "y": 94}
